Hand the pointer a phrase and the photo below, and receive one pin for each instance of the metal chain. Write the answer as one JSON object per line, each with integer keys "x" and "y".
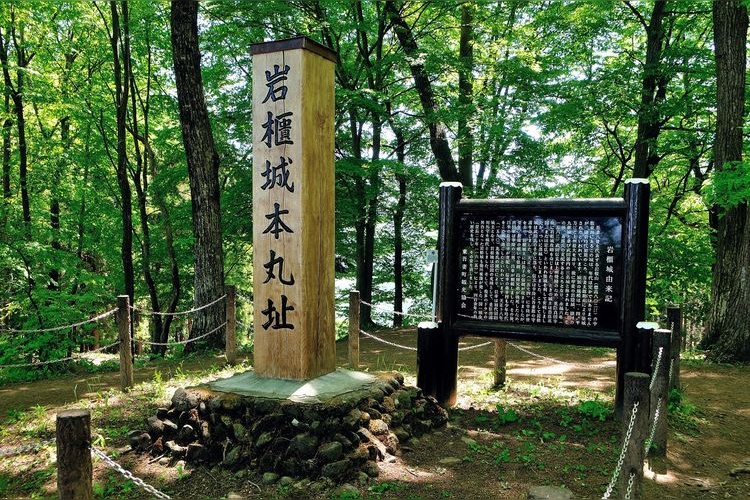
{"x": 656, "y": 369}
{"x": 127, "y": 474}
{"x": 188, "y": 340}
{"x": 621, "y": 458}
{"x": 629, "y": 490}
{"x": 578, "y": 365}
{"x": 386, "y": 311}
{"x": 386, "y": 341}
{"x": 651, "y": 434}
{"x": 180, "y": 313}
{"x": 671, "y": 372}
{"x": 24, "y": 448}
{"x": 65, "y": 327}
{"x": 475, "y": 346}
{"x": 52, "y": 361}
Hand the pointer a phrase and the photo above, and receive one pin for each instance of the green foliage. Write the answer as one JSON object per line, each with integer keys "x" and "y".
{"x": 729, "y": 186}
{"x": 595, "y": 409}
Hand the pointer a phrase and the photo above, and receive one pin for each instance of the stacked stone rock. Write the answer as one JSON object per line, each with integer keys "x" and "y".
{"x": 337, "y": 439}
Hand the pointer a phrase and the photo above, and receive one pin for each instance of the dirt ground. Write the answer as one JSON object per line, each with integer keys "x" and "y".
{"x": 480, "y": 455}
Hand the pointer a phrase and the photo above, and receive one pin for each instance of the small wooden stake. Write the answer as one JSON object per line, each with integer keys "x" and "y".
{"x": 659, "y": 391}
{"x": 636, "y": 390}
{"x": 674, "y": 323}
{"x": 126, "y": 354}
{"x": 231, "y": 328}
{"x": 500, "y": 362}
{"x": 354, "y": 329}
{"x": 74, "y": 469}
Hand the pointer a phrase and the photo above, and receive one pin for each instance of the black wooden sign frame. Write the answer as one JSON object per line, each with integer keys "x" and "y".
{"x": 438, "y": 351}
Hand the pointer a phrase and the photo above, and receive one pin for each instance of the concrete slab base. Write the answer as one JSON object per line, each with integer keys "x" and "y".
{"x": 317, "y": 390}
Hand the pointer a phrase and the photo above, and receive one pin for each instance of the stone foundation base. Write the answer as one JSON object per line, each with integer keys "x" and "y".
{"x": 337, "y": 428}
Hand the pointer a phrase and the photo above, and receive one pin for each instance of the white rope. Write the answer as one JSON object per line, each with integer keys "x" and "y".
{"x": 181, "y": 342}
{"x": 243, "y": 325}
{"x": 56, "y": 328}
{"x": 127, "y": 474}
{"x": 577, "y": 365}
{"x": 180, "y": 313}
{"x": 244, "y": 299}
{"x": 393, "y": 344}
{"x": 388, "y": 311}
{"x": 52, "y": 361}
{"x": 475, "y": 346}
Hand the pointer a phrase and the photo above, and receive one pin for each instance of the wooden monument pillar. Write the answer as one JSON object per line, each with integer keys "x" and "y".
{"x": 293, "y": 209}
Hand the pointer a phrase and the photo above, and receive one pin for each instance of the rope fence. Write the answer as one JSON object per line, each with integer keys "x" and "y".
{"x": 179, "y": 313}
{"x": 64, "y": 327}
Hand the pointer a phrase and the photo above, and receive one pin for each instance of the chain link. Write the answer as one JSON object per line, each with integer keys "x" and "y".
{"x": 64, "y": 327}
{"x": 392, "y": 344}
{"x": 188, "y": 340}
{"x": 621, "y": 458}
{"x": 24, "y": 448}
{"x": 651, "y": 434}
{"x": 656, "y": 369}
{"x": 629, "y": 490}
{"x": 181, "y": 313}
{"x": 127, "y": 474}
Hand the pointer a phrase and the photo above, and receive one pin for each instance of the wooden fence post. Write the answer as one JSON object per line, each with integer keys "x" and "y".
{"x": 74, "y": 469}
{"x": 428, "y": 342}
{"x": 643, "y": 350}
{"x": 230, "y": 340}
{"x": 126, "y": 353}
{"x": 660, "y": 392}
{"x": 635, "y": 392}
{"x": 354, "y": 303}
{"x": 674, "y": 323}
{"x": 500, "y": 362}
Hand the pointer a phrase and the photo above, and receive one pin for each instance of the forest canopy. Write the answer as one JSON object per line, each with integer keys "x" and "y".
{"x": 516, "y": 98}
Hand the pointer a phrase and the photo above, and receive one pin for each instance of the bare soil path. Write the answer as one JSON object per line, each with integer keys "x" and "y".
{"x": 479, "y": 455}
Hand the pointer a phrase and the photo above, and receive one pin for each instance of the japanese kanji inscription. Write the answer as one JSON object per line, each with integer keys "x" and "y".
{"x": 293, "y": 209}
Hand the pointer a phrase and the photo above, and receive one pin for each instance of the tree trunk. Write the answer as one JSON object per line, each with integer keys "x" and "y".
{"x": 7, "y": 129}
{"x": 203, "y": 169}
{"x": 653, "y": 92}
{"x": 728, "y": 331}
{"x": 122, "y": 88}
{"x": 465, "y": 99}
{"x": 438, "y": 131}
{"x": 398, "y": 228}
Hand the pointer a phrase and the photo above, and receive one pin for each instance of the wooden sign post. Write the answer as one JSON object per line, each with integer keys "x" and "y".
{"x": 293, "y": 209}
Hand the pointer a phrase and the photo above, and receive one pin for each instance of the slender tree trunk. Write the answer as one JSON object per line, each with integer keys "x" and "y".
{"x": 203, "y": 169}
{"x": 438, "y": 131}
{"x": 122, "y": 88}
{"x": 398, "y": 232}
{"x": 465, "y": 99}
{"x": 653, "y": 92}
{"x": 7, "y": 130}
{"x": 728, "y": 332}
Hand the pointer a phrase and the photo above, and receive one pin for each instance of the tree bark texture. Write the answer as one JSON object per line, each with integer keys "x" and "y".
{"x": 203, "y": 169}
{"x": 74, "y": 469}
{"x": 465, "y": 98}
{"x": 728, "y": 332}
{"x": 653, "y": 92}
